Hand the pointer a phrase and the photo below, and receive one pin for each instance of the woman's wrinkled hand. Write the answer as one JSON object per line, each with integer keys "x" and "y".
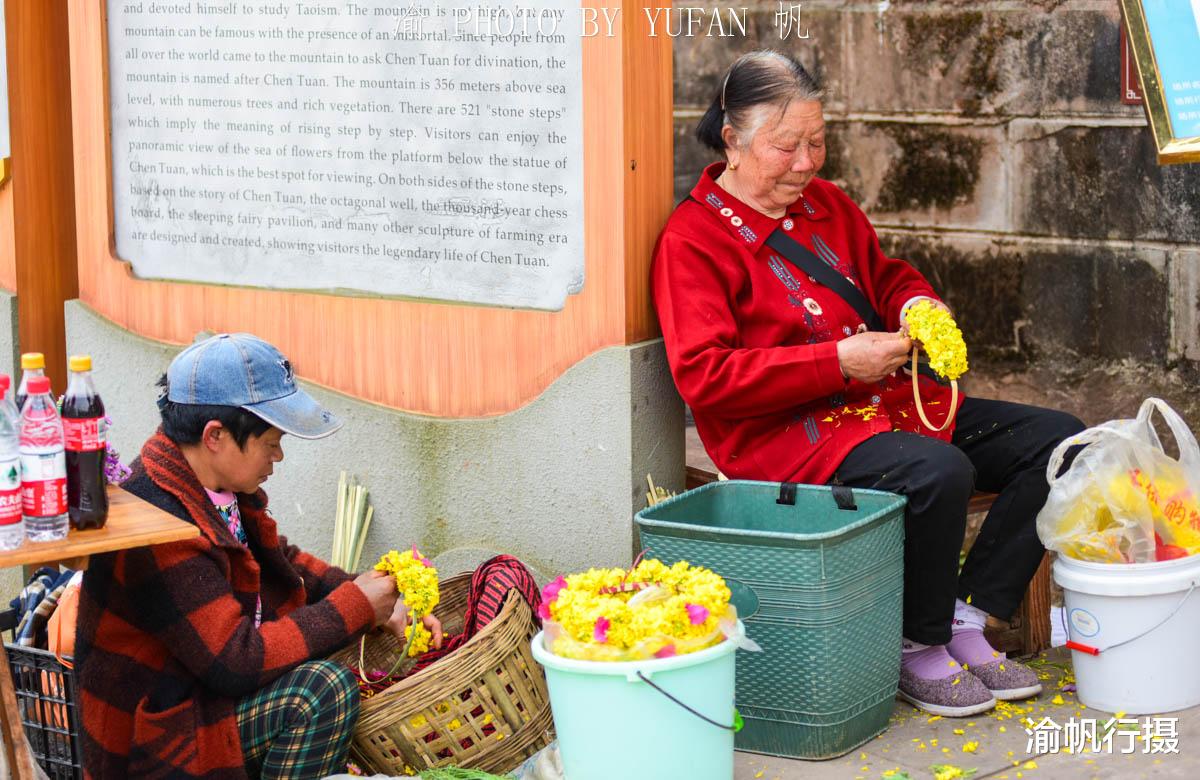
{"x": 435, "y": 627}
{"x": 380, "y": 589}
{"x": 934, "y": 302}
{"x": 398, "y": 624}
{"x": 871, "y": 356}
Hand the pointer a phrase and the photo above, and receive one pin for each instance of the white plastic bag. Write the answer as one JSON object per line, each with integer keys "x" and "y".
{"x": 1122, "y": 490}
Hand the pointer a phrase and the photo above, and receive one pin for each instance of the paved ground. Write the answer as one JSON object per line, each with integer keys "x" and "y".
{"x": 996, "y": 744}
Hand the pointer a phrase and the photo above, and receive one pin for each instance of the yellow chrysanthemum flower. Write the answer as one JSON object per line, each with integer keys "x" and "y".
{"x": 940, "y": 337}
{"x": 417, "y": 580}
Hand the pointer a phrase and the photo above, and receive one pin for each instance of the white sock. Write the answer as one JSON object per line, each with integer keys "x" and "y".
{"x": 968, "y": 617}
{"x": 909, "y": 646}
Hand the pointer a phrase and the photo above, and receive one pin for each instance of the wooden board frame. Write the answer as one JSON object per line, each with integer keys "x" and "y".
{"x": 437, "y": 359}
{"x": 8, "y": 255}
{"x": 42, "y": 195}
{"x": 1171, "y": 149}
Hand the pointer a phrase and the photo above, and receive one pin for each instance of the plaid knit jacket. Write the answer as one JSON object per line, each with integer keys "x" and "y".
{"x": 166, "y": 637}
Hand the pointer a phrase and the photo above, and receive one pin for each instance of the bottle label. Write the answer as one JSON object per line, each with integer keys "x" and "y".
{"x": 10, "y": 491}
{"x": 85, "y": 435}
{"x": 43, "y": 483}
{"x": 37, "y": 426}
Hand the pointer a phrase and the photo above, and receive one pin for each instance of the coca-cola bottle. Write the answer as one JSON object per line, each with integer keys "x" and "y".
{"x": 43, "y": 467}
{"x": 32, "y": 364}
{"x": 85, "y": 433}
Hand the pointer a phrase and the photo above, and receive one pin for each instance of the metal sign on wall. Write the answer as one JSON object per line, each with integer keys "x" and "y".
{"x": 1165, "y": 37}
{"x": 369, "y": 148}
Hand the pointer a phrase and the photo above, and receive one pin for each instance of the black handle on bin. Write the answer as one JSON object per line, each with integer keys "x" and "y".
{"x": 844, "y": 497}
{"x": 787, "y": 494}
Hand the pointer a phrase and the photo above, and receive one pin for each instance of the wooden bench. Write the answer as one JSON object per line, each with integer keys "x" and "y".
{"x": 1029, "y": 630}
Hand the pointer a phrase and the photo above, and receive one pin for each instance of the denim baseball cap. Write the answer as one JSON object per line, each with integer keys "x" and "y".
{"x": 238, "y": 369}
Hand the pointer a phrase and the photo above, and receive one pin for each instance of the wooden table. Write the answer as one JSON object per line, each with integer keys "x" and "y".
{"x": 131, "y": 523}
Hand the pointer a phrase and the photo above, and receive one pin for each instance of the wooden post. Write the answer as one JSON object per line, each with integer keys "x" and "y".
{"x": 39, "y": 100}
{"x": 16, "y": 749}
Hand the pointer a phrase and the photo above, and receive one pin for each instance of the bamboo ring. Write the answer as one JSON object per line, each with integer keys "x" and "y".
{"x": 921, "y": 409}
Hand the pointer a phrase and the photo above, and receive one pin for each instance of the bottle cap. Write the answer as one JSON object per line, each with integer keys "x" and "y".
{"x": 80, "y": 363}
{"x": 33, "y": 360}
{"x": 38, "y": 385}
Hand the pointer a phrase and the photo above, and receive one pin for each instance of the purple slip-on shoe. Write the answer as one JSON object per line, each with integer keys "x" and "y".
{"x": 958, "y": 696}
{"x": 1007, "y": 679}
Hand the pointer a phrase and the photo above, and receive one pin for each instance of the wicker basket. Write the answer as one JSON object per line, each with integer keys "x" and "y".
{"x": 483, "y": 707}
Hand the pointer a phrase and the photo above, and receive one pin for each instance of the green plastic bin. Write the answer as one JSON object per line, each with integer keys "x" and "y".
{"x": 818, "y": 586}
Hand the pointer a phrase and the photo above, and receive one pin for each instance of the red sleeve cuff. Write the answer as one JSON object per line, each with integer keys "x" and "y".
{"x": 828, "y": 368}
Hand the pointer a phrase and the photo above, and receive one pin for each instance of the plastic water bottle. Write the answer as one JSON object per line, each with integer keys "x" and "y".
{"x": 12, "y": 522}
{"x": 6, "y": 403}
{"x": 43, "y": 465}
{"x": 85, "y": 432}
{"x": 32, "y": 364}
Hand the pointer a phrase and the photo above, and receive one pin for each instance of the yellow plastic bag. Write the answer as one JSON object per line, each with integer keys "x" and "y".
{"x": 1123, "y": 499}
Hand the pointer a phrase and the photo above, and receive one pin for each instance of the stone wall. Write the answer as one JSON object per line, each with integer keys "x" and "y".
{"x": 988, "y": 145}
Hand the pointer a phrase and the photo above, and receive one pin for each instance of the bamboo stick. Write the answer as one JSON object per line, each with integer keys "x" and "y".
{"x": 339, "y": 520}
{"x": 362, "y": 537}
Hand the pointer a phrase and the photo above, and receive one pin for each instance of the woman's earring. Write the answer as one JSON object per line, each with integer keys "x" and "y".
{"x": 733, "y": 166}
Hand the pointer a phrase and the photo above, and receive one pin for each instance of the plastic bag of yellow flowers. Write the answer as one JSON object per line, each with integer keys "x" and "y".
{"x": 1124, "y": 499}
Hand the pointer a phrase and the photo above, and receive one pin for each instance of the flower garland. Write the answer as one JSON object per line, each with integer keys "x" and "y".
{"x": 417, "y": 579}
{"x": 934, "y": 329}
{"x": 940, "y": 337}
{"x": 651, "y": 610}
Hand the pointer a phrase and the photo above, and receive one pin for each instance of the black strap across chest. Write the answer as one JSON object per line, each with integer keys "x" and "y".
{"x": 803, "y": 258}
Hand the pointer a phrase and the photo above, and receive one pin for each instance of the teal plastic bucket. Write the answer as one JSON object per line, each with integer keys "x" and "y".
{"x": 644, "y": 720}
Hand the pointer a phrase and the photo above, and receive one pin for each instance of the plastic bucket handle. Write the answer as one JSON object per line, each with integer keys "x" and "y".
{"x": 1092, "y": 650}
{"x": 699, "y": 715}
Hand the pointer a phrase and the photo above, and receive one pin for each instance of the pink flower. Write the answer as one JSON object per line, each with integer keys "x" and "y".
{"x": 417, "y": 557}
{"x": 550, "y": 592}
{"x": 600, "y": 632}
{"x": 668, "y": 651}
{"x": 697, "y": 614}
{"x": 543, "y": 611}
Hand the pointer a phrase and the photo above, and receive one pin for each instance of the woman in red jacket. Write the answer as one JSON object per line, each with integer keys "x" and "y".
{"x": 787, "y": 380}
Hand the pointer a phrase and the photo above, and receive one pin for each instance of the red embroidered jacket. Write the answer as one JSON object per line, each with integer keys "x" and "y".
{"x": 752, "y": 339}
{"x": 166, "y": 641}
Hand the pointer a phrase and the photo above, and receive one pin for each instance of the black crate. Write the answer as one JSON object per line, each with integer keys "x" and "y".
{"x": 47, "y": 699}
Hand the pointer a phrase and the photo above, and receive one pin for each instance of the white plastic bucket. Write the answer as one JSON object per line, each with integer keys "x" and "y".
{"x": 1144, "y": 621}
{"x": 611, "y": 723}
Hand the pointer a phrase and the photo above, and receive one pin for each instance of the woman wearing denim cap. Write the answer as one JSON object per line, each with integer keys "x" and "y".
{"x": 196, "y": 658}
{"x": 788, "y": 382}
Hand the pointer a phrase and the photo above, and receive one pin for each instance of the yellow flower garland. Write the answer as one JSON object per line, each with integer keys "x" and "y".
{"x": 417, "y": 580}
{"x": 933, "y": 328}
{"x": 653, "y": 610}
{"x": 940, "y": 337}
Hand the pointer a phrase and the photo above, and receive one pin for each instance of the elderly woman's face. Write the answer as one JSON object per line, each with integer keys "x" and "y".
{"x": 784, "y": 155}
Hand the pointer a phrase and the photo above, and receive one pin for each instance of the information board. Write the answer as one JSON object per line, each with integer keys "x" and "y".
{"x": 371, "y": 148}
